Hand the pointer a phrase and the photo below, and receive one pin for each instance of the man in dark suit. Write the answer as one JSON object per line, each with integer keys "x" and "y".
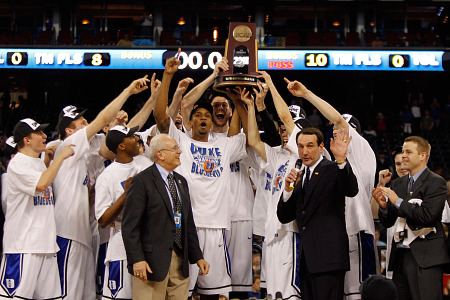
{"x": 318, "y": 204}
{"x": 158, "y": 227}
{"x": 416, "y": 201}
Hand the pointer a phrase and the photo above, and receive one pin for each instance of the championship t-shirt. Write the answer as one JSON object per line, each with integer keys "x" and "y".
{"x": 206, "y": 167}
{"x": 240, "y": 189}
{"x": 109, "y": 187}
{"x": 30, "y": 216}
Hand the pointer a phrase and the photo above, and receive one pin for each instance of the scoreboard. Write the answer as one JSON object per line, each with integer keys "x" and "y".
{"x": 205, "y": 59}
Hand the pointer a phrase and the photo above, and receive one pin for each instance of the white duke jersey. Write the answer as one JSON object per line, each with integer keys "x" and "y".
{"x": 206, "y": 167}
{"x": 30, "y": 218}
{"x": 109, "y": 187}
{"x": 71, "y": 192}
{"x": 240, "y": 191}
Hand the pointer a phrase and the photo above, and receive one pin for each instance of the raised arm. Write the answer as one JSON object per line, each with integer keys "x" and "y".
{"x": 280, "y": 105}
{"x": 177, "y": 96}
{"x": 49, "y": 175}
{"x": 253, "y": 138}
{"x": 160, "y": 113}
{"x": 141, "y": 117}
{"x": 299, "y": 90}
{"x": 110, "y": 111}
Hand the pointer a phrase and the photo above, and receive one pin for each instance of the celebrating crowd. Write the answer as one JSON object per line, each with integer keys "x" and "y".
{"x": 171, "y": 212}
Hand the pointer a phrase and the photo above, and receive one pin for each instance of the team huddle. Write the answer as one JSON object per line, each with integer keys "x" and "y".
{"x": 74, "y": 218}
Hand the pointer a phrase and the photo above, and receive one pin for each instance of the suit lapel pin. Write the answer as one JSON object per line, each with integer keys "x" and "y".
{"x": 316, "y": 173}
{"x": 179, "y": 181}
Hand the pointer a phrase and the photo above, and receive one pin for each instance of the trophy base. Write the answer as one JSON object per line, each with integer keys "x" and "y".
{"x": 222, "y": 82}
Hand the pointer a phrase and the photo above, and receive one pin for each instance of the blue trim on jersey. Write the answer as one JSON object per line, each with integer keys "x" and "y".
{"x": 367, "y": 255}
{"x": 115, "y": 277}
{"x": 227, "y": 254}
{"x": 100, "y": 273}
{"x": 63, "y": 257}
{"x": 296, "y": 261}
{"x": 12, "y": 273}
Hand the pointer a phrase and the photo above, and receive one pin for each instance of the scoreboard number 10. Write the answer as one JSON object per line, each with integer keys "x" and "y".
{"x": 316, "y": 60}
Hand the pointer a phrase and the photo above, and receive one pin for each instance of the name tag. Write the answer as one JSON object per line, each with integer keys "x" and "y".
{"x": 177, "y": 219}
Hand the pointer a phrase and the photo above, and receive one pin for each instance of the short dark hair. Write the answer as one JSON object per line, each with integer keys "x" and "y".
{"x": 311, "y": 131}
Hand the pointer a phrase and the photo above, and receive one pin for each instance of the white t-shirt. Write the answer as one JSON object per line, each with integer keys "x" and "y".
{"x": 30, "y": 217}
{"x": 109, "y": 187}
{"x": 241, "y": 192}
{"x": 279, "y": 163}
{"x": 206, "y": 167}
{"x": 71, "y": 192}
{"x": 358, "y": 214}
{"x": 4, "y": 191}
{"x": 96, "y": 164}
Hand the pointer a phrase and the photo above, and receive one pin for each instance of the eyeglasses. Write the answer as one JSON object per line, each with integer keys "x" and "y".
{"x": 173, "y": 149}
{"x": 220, "y": 105}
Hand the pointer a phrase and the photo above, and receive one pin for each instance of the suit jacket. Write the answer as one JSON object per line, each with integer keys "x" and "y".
{"x": 320, "y": 215}
{"x": 432, "y": 190}
{"x": 148, "y": 227}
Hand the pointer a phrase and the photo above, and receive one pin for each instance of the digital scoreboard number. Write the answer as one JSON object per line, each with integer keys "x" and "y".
{"x": 16, "y": 58}
{"x": 195, "y": 60}
{"x": 96, "y": 59}
{"x": 317, "y": 60}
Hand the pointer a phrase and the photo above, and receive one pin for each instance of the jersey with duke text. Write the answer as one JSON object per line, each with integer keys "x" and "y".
{"x": 206, "y": 167}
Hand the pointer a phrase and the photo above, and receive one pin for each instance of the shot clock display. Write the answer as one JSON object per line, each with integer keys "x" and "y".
{"x": 205, "y": 59}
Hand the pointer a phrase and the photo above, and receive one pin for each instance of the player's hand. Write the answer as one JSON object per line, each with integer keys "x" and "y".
{"x": 264, "y": 75}
{"x": 246, "y": 97}
{"x": 384, "y": 176}
{"x": 121, "y": 118}
{"x": 221, "y": 66}
{"x": 140, "y": 270}
{"x": 67, "y": 151}
{"x": 155, "y": 84}
{"x": 296, "y": 88}
{"x": 127, "y": 183}
{"x": 291, "y": 177}
{"x": 50, "y": 154}
{"x": 260, "y": 93}
{"x": 183, "y": 85}
{"x": 234, "y": 95}
{"x": 339, "y": 144}
{"x": 204, "y": 267}
{"x": 138, "y": 85}
{"x": 377, "y": 194}
{"x": 172, "y": 64}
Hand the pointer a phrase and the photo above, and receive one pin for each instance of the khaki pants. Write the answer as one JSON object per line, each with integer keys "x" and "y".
{"x": 173, "y": 287}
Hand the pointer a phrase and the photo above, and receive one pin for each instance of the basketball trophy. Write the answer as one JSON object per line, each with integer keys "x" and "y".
{"x": 241, "y": 50}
